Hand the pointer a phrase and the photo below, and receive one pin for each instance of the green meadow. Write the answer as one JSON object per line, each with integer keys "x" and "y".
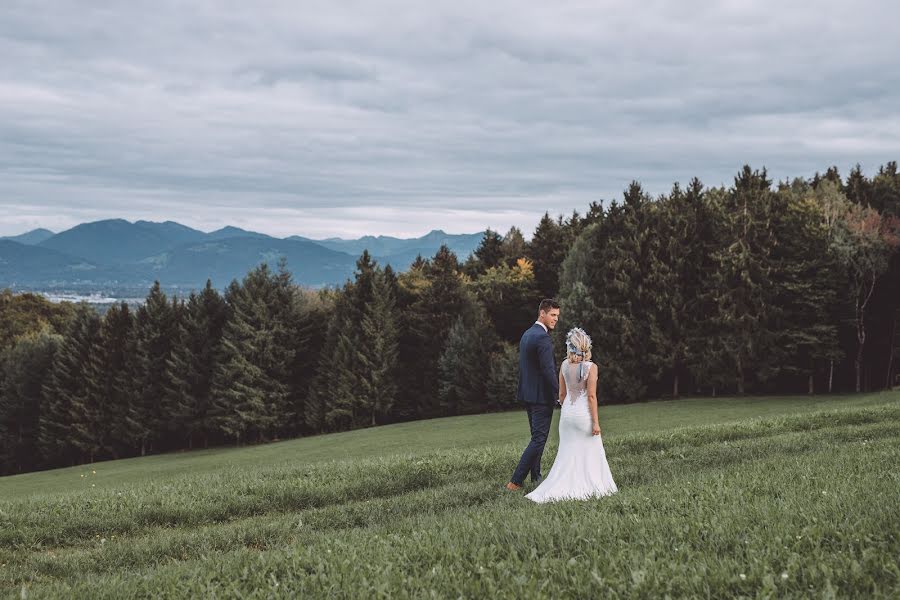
{"x": 726, "y": 497}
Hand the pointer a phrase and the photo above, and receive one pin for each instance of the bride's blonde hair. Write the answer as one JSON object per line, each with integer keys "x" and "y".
{"x": 578, "y": 343}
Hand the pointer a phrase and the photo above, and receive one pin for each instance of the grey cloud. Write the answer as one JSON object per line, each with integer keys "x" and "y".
{"x": 325, "y": 117}
{"x": 314, "y": 66}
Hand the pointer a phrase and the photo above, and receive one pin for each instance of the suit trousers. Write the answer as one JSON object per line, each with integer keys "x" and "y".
{"x": 540, "y": 416}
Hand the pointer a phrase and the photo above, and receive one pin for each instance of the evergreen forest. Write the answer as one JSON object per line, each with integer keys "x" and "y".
{"x": 761, "y": 287}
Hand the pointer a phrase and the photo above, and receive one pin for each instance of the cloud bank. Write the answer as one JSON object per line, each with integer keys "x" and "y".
{"x": 396, "y": 117}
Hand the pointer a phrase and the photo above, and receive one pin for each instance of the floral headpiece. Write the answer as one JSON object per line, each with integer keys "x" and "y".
{"x": 571, "y": 347}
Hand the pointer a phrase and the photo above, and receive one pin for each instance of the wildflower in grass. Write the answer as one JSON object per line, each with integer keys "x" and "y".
{"x": 742, "y": 576}
{"x": 784, "y": 575}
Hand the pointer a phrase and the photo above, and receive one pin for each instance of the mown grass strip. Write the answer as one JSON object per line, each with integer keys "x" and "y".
{"x": 819, "y": 523}
{"x": 237, "y": 494}
{"x": 680, "y": 456}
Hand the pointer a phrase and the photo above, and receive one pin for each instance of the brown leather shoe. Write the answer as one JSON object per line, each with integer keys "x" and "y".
{"x": 513, "y": 487}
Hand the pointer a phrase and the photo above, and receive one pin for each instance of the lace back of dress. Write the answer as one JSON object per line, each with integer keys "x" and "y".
{"x": 576, "y": 385}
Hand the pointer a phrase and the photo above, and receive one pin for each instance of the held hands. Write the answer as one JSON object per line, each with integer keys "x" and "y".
{"x": 596, "y": 429}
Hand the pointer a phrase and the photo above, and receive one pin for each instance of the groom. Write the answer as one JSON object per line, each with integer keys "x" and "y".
{"x": 538, "y": 390}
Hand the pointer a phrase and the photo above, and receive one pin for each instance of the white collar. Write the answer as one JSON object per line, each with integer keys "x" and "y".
{"x": 542, "y": 325}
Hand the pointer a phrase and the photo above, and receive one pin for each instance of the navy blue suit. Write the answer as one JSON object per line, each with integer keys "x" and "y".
{"x": 538, "y": 390}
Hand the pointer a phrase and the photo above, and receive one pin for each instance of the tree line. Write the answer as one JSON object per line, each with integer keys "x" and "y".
{"x": 791, "y": 287}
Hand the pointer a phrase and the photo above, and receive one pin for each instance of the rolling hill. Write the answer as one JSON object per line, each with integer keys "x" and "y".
{"x": 718, "y": 497}
{"x": 116, "y": 241}
{"x": 116, "y": 254}
{"x": 30, "y": 264}
{"x": 388, "y": 248}
{"x": 231, "y": 258}
{"x": 35, "y": 236}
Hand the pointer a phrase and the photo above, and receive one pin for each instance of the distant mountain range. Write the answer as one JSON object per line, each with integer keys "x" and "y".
{"x": 116, "y": 254}
{"x": 35, "y": 236}
{"x": 391, "y": 246}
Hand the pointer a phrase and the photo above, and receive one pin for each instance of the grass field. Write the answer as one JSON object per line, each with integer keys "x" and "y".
{"x": 750, "y": 497}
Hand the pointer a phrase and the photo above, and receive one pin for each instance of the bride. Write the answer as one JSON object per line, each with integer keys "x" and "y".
{"x": 580, "y": 469}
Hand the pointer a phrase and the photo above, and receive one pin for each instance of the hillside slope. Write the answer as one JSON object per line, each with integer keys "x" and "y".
{"x": 786, "y": 497}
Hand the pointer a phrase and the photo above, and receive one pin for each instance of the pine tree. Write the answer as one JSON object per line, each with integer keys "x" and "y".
{"x": 572, "y": 228}
{"x": 594, "y": 215}
{"x": 348, "y": 407}
{"x": 546, "y": 251}
{"x": 668, "y": 276}
{"x": 251, "y": 383}
{"x": 68, "y": 425}
{"x": 617, "y": 286}
{"x": 858, "y": 188}
{"x": 489, "y": 252}
{"x": 576, "y": 299}
{"x": 747, "y": 308}
{"x": 503, "y": 377}
{"x": 174, "y": 405}
{"x": 181, "y": 372}
{"x": 886, "y": 190}
{"x": 310, "y": 321}
{"x": 283, "y": 307}
{"x": 704, "y": 360}
{"x": 319, "y": 415}
{"x": 345, "y": 407}
{"x": 155, "y": 330}
{"x": 411, "y": 287}
{"x": 238, "y": 403}
{"x": 461, "y": 380}
{"x": 110, "y": 374}
{"x": 380, "y": 334}
{"x": 514, "y": 246}
{"x": 833, "y": 176}
{"x": 192, "y": 363}
{"x": 23, "y": 370}
{"x": 441, "y": 300}
{"x": 457, "y": 369}
{"x": 808, "y": 279}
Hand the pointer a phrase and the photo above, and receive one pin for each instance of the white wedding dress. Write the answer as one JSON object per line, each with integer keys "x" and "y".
{"x": 580, "y": 469}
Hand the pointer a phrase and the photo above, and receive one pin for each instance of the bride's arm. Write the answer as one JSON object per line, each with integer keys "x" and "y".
{"x": 592, "y": 399}
{"x": 562, "y": 385}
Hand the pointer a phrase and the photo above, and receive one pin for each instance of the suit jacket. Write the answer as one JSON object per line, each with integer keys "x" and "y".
{"x": 538, "y": 380}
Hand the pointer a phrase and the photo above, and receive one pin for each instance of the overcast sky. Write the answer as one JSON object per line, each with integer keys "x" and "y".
{"x": 343, "y": 118}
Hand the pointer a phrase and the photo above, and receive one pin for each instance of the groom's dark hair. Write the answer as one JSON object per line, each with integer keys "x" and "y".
{"x": 548, "y": 304}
